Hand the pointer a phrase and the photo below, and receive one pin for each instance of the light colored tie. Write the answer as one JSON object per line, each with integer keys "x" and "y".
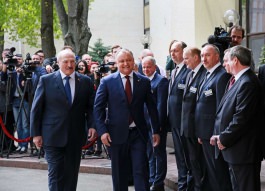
{"x": 191, "y": 77}
{"x": 174, "y": 76}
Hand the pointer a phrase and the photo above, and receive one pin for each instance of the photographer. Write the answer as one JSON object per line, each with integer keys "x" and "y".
{"x": 7, "y": 116}
{"x": 38, "y": 70}
{"x": 12, "y": 66}
{"x": 41, "y": 55}
{"x": 82, "y": 67}
{"x": 50, "y": 64}
{"x": 94, "y": 74}
{"x": 236, "y": 33}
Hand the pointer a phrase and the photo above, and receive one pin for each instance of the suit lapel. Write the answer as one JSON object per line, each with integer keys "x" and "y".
{"x": 231, "y": 91}
{"x": 59, "y": 84}
{"x": 209, "y": 79}
{"x": 77, "y": 86}
{"x": 119, "y": 83}
{"x": 187, "y": 82}
{"x": 178, "y": 77}
{"x": 136, "y": 81}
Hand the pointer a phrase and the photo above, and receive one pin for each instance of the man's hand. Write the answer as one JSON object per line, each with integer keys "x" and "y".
{"x": 37, "y": 141}
{"x": 156, "y": 140}
{"x": 105, "y": 138}
{"x": 92, "y": 133}
{"x": 220, "y": 146}
{"x": 48, "y": 69}
{"x": 199, "y": 141}
{"x": 214, "y": 139}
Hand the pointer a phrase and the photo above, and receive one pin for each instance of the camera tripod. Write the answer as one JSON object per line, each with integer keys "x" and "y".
{"x": 22, "y": 108}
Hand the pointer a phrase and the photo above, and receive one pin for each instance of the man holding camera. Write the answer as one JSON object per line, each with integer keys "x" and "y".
{"x": 39, "y": 71}
{"x": 236, "y": 33}
{"x": 7, "y": 116}
{"x": 17, "y": 97}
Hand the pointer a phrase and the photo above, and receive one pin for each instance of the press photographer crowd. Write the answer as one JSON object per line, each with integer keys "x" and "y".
{"x": 209, "y": 98}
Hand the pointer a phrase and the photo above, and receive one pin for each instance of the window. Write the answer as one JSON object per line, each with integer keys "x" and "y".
{"x": 254, "y": 23}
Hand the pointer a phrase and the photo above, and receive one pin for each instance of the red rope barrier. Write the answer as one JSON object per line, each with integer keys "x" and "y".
{"x": 92, "y": 142}
{"x": 11, "y": 136}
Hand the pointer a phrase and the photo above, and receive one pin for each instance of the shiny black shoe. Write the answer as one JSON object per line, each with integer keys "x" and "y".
{"x": 88, "y": 152}
{"x": 35, "y": 153}
{"x": 97, "y": 153}
{"x": 157, "y": 188}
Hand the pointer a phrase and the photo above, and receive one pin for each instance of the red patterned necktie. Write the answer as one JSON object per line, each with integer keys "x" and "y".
{"x": 128, "y": 91}
{"x": 232, "y": 81}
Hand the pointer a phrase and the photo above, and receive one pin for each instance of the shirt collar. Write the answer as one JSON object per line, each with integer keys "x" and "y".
{"x": 241, "y": 73}
{"x": 197, "y": 69}
{"x": 123, "y": 76}
{"x": 152, "y": 76}
{"x": 214, "y": 67}
{"x": 63, "y": 75}
{"x": 180, "y": 65}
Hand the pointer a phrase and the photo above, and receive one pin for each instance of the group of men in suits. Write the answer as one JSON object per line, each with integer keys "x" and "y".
{"x": 216, "y": 130}
{"x": 215, "y": 125}
{"x": 239, "y": 124}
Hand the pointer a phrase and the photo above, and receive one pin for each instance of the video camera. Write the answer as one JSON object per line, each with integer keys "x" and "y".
{"x": 52, "y": 62}
{"x": 221, "y": 39}
{"x": 11, "y": 62}
{"x": 104, "y": 68}
{"x": 29, "y": 67}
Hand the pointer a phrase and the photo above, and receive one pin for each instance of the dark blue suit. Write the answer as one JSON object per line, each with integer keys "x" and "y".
{"x": 175, "y": 97}
{"x": 62, "y": 126}
{"x": 38, "y": 72}
{"x": 126, "y": 143}
{"x": 158, "y": 156}
{"x": 188, "y": 126}
{"x": 209, "y": 96}
{"x": 239, "y": 124}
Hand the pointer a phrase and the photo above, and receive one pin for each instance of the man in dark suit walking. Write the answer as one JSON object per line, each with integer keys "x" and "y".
{"x": 124, "y": 129}
{"x": 192, "y": 59}
{"x": 62, "y": 103}
{"x": 175, "y": 96}
{"x": 210, "y": 93}
{"x": 238, "y": 122}
{"x": 157, "y": 155}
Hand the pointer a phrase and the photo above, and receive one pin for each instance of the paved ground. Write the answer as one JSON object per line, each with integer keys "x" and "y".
{"x": 25, "y": 172}
{"x": 12, "y": 179}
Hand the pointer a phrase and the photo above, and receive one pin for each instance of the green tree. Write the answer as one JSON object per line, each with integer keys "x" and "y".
{"x": 262, "y": 56}
{"x": 23, "y": 19}
{"x": 98, "y": 51}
